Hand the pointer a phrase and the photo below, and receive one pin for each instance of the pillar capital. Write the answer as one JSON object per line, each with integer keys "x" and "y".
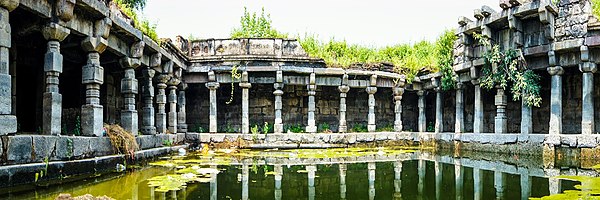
{"x": 212, "y": 85}
{"x": 182, "y": 86}
{"x": 398, "y": 91}
{"x": 420, "y": 92}
{"x": 371, "y": 90}
{"x": 373, "y": 80}
{"x": 55, "y": 32}
{"x": 148, "y": 72}
{"x": 137, "y": 49}
{"x": 9, "y": 5}
{"x": 556, "y": 70}
{"x": 155, "y": 60}
{"x": 130, "y": 63}
{"x": 163, "y": 78}
{"x": 278, "y": 86}
{"x": 173, "y": 82}
{"x": 588, "y": 67}
{"x": 343, "y": 88}
{"x": 64, "y": 9}
{"x": 94, "y": 44}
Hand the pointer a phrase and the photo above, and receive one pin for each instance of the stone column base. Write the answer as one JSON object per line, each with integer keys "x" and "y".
{"x": 8, "y": 124}
{"x": 52, "y": 105}
{"x": 148, "y": 130}
{"x": 172, "y": 122}
{"x": 129, "y": 121}
{"x": 92, "y": 120}
{"x": 371, "y": 127}
{"x": 501, "y": 125}
{"x": 182, "y": 128}
{"x": 161, "y": 122}
{"x": 311, "y": 129}
{"x": 278, "y": 128}
{"x": 398, "y": 128}
{"x": 343, "y": 129}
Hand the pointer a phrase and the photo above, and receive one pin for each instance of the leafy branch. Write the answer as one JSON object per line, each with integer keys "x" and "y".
{"x": 508, "y": 68}
{"x": 235, "y": 75}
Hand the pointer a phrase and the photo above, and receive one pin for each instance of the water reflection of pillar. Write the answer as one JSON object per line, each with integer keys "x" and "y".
{"x": 213, "y": 184}
{"x": 342, "y": 181}
{"x": 245, "y": 174}
{"x": 278, "y": 177}
{"x": 458, "y": 179}
{"x": 477, "y": 185}
{"x": 371, "y": 167}
{"x": 525, "y": 185}
{"x": 554, "y": 185}
{"x": 499, "y": 184}
{"x": 438, "y": 180}
{"x": 398, "y": 180}
{"x": 312, "y": 169}
{"x": 421, "y": 172}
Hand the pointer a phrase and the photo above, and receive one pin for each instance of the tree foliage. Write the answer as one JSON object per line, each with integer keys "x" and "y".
{"x": 256, "y": 26}
{"x": 135, "y": 4}
{"x": 508, "y": 67}
{"x": 444, "y": 47}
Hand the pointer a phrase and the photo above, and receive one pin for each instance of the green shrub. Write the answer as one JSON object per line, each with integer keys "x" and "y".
{"x": 128, "y": 7}
{"x": 359, "y": 128}
{"x": 298, "y": 128}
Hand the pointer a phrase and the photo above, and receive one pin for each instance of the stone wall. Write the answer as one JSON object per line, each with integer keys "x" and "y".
{"x": 572, "y": 20}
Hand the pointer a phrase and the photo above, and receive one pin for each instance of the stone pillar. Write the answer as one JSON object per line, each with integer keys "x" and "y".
{"x": 371, "y": 127}
{"x": 92, "y": 78}
{"x": 342, "y": 169}
{"x": 245, "y": 85}
{"x": 278, "y": 176}
{"x": 478, "y": 109}
{"x": 587, "y": 108}
{"x": 459, "y": 120}
{"x": 53, "y": 66}
{"x": 312, "y": 169}
{"x": 344, "y": 88}
{"x": 371, "y": 167}
{"x": 182, "y": 126}
{"x": 129, "y": 89}
{"x": 147, "y": 90}
{"x": 278, "y": 125}
{"x": 161, "y": 101}
{"x": 439, "y": 111}
{"x": 422, "y": 120}
{"x": 501, "y": 122}
{"x": 526, "y": 119}
{"x": 499, "y": 184}
{"x": 173, "y": 83}
{"x": 245, "y": 179}
{"x": 312, "y": 90}
{"x": 212, "y": 86}
{"x": 477, "y": 184}
{"x": 8, "y": 121}
{"x": 556, "y": 100}
{"x": 398, "y": 92}
{"x": 397, "y": 180}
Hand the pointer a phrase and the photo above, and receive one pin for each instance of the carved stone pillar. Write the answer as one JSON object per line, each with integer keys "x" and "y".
{"x": 371, "y": 167}
{"x": 245, "y": 181}
{"x": 398, "y": 92}
{"x": 478, "y": 104}
{"x": 342, "y": 170}
{"x": 161, "y": 101}
{"x": 53, "y": 66}
{"x": 8, "y": 121}
{"x": 312, "y": 91}
{"x": 129, "y": 87}
{"x": 172, "y": 120}
{"x": 458, "y": 179}
{"x": 182, "y": 126}
{"x": 147, "y": 90}
{"x": 278, "y": 126}
{"x": 438, "y": 179}
{"x": 245, "y": 85}
{"x": 92, "y": 78}
{"x": 499, "y": 184}
{"x": 371, "y": 127}
{"x": 556, "y": 100}
{"x": 439, "y": 111}
{"x": 398, "y": 180}
{"x": 501, "y": 122}
{"x": 278, "y": 177}
{"x": 587, "y": 109}
{"x": 459, "y": 124}
{"x": 311, "y": 169}
{"x": 526, "y": 119}
{"x": 477, "y": 184}
{"x": 344, "y": 88}
{"x": 422, "y": 120}
{"x": 212, "y": 86}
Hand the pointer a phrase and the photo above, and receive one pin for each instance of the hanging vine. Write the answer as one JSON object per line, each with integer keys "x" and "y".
{"x": 504, "y": 68}
{"x": 235, "y": 75}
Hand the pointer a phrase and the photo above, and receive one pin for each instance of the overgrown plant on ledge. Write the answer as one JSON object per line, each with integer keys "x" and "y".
{"x": 508, "y": 68}
{"x": 444, "y": 47}
{"x": 129, "y": 8}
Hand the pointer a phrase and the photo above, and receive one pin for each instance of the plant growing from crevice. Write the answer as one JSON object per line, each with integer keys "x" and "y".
{"x": 386, "y": 128}
{"x": 359, "y": 128}
{"x": 77, "y": 129}
{"x": 324, "y": 128}
{"x": 256, "y": 26}
{"x": 297, "y": 128}
{"x": 508, "y": 68}
{"x": 430, "y": 127}
{"x": 235, "y": 75}
{"x": 267, "y": 128}
{"x": 254, "y": 131}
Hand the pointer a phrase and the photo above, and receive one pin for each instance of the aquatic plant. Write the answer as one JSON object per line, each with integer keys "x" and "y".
{"x": 121, "y": 140}
{"x": 174, "y": 182}
{"x": 588, "y": 189}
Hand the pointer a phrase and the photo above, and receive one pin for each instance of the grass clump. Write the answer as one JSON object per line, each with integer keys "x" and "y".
{"x": 123, "y": 141}
{"x": 141, "y": 23}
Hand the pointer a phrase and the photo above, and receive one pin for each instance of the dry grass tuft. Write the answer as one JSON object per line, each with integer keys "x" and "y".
{"x": 123, "y": 141}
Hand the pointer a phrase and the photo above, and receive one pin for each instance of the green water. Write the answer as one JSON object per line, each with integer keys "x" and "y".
{"x": 360, "y": 174}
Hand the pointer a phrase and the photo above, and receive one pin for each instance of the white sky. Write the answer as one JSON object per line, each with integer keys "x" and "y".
{"x": 367, "y": 22}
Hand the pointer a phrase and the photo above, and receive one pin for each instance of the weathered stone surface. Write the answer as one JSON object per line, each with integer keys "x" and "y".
{"x": 44, "y": 148}
{"x": 570, "y": 140}
{"x": 5, "y": 94}
{"x": 587, "y": 141}
{"x": 19, "y": 149}
{"x": 52, "y": 114}
{"x": 10, "y": 5}
{"x": 92, "y": 120}
{"x": 8, "y": 124}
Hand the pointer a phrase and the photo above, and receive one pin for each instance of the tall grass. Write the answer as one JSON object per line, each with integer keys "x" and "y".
{"x": 141, "y": 23}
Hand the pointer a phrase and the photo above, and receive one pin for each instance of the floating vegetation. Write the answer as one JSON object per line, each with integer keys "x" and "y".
{"x": 174, "y": 182}
{"x": 588, "y": 189}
